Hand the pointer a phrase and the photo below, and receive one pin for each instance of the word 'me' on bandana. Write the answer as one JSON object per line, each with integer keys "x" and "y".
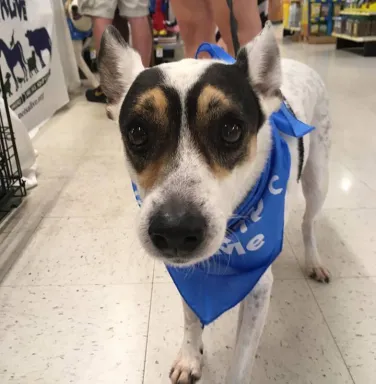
{"x": 254, "y": 236}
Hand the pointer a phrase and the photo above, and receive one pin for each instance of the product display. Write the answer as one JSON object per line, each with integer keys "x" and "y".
{"x": 355, "y": 27}
{"x": 292, "y": 15}
{"x": 165, "y": 32}
{"x": 312, "y": 19}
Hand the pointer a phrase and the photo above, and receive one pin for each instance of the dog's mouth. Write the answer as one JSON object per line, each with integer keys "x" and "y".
{"x": 76, "y": 16}
{"x": 178, "y": 261}
{"x": 175, "y": 257}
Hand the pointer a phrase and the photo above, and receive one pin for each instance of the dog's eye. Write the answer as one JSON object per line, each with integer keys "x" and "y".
{"x": 138, "y": 135}
{"x": 231, "y": 133}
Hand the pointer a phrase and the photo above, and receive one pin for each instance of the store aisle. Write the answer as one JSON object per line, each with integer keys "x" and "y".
{"x": 83, "y": 304}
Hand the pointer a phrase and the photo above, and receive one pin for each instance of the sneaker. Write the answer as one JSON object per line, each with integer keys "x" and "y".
{"x": 96, "y": 95}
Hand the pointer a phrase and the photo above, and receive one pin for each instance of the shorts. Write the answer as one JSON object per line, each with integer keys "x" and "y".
{"x": 107, "y": 8}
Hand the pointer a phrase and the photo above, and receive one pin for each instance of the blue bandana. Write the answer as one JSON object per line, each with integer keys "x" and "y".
{"x": 75, "y": 33}
{"x": 254, "y": 236}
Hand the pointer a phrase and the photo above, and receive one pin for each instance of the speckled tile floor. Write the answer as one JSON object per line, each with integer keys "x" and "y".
{"x": 83, "y": 304}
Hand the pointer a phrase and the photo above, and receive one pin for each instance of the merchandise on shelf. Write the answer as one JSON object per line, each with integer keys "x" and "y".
{"x": 355, "y": 20}
{"x": 319, "y": 18}
{"x": 311, "y": 17}
{"x": 165, "y": 31}
{"x": 158, "y": 11}
{"x": 292, "y": 14}
{"x": 356, "y": 26}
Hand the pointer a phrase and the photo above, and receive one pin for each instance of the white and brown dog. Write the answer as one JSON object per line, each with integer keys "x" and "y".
{"x": 197, "y": 137}
{"x": 80, "y": 28}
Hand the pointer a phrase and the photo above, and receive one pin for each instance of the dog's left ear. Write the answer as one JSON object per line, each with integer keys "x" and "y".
{"x": 119, "y": 65}
{"x": 262, "y": 61}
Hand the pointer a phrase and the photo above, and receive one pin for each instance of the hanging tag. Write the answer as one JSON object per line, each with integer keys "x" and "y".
{"x": 159, "y": 52}
{"x": 93, "y": 54}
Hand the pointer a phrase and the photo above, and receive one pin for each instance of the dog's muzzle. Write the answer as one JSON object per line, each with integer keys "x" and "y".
{"x": 177, "y": 229}
{"x": 75, "y": 12}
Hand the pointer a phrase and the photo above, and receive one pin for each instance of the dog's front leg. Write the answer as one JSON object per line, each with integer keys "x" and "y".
{"x": 251, "y": 321}
{"x": 77, "y": 46}
{"x": 187, "y": 367}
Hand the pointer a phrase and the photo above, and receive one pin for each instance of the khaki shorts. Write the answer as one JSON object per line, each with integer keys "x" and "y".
{"x": 107, "y": 8}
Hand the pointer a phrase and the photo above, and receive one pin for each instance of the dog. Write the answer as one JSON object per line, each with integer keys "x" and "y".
{"x": 32, "y": 64}
{"x": 80, "y": 28}
{"x": 197, "y": 137}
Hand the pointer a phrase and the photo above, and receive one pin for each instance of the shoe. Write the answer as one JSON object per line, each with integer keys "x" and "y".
{"x": 96, "y": 95}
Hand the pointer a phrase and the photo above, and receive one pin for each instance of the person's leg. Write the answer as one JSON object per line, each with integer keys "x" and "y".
{"x": 121, "y": 26}
{"x": 99, "y": 26}
{"x": 247, "y": 15}
{"x": 102, "y": 13}
{"x": 137, "y": 14}
{"x": 142, "y": 38}
{"x": 196, "y": 23}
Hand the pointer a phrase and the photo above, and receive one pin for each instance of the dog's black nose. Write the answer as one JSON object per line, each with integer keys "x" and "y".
{"x": 74, "y": 8}
{"x": 177, "y": 228}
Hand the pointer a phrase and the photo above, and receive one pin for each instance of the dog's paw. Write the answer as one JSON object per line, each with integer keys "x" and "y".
{"x": 187, "y": 368}
{"x": 320, "y": 274}
{"x": 109, "y": 113}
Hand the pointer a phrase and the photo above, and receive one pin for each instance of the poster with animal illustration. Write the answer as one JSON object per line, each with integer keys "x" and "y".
{"x": 30, "y": 62}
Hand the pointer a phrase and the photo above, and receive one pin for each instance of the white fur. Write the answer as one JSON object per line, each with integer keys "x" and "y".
{"x": 83, "y": 24}
{"x": 219, "y": 197}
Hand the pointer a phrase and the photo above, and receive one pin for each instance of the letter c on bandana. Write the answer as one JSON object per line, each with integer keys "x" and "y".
{"x": 272, "y": 190}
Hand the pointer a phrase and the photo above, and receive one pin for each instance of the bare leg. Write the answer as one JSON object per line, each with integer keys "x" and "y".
{"x": 141, "y": 38}
{"x": 251, "y": 322}
{"x": 247, "y": 17}
{"x": 99, "y": 26}
{"x": 196, "y": 23}
{"x": 187, "y": 367}
{"x": 121, "y": 25}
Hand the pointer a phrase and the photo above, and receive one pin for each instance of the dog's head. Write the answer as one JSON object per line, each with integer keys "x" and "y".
{"x": 191, "y": 133}
{"x": 82, "y": 23}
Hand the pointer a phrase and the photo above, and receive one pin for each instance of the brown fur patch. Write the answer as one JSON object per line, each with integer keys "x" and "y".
{"x": 219, "y": 172}
{"x": 154, "y": 103}
{"x": 211, "y": 100}
{"x": 211, "y": 103}
{"x": 252, "y": 148}
{"x": 148, "y": 177}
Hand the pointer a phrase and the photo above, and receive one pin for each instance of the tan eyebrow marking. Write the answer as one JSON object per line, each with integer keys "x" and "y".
{"x": 154, "y": 103}
{"x": 211, "y": 99}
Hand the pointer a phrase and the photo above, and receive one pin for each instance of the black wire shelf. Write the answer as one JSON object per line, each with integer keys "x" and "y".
{"x": 12, "y": 186}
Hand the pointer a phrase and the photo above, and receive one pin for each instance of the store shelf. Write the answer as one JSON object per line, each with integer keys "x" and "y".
{"x": 355, "y": 12}
{"x": 323, "y": 39}
{"x": 293, "y": 29}
{"x": 319, "y": 19}
{"x": 168, "y": 46}
{"x": 360, "y": 39}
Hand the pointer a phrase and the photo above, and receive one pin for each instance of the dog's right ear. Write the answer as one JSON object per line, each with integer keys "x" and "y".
{"x": 119, "y": 65}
